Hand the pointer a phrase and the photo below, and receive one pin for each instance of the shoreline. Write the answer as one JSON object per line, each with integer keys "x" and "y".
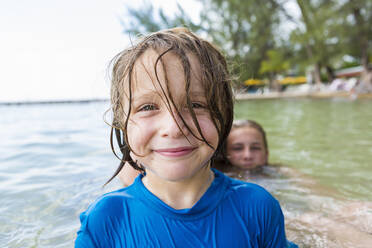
{"x": 238, "y": 97}
{"x": 315, "y": 95}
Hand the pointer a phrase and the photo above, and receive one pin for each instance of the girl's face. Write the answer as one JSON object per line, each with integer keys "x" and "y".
{"x": 161, "y": 142}
{"x": 246, "y": 149}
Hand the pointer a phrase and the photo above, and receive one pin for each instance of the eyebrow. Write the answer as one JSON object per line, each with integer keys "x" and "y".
{"x": 256, "y": 143}
{"x": 151, "y": 94}
{"x": 197, "y": 93}
{"x": 242, "y": 143}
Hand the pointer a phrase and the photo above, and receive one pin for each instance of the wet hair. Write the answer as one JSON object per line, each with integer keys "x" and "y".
{"x": 214, "y": 78}
{"x": 223, "y": 164}
{"x": 254, "y": 125}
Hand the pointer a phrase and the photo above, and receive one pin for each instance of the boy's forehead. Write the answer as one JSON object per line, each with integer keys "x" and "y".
{"x": 170, "y": 60}
{"x": 169, "y": 67}
{"x": 147, "y": 59}
{"x": 144, "y": 68}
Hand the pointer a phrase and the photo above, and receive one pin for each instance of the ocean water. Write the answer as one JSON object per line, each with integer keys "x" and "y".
{"x": 55, "y": 158}
{"x": 324, "y": 147}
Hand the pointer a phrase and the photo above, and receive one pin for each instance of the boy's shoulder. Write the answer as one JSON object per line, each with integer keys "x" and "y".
{"x": 113, "y": 199}
{"x": 109, "y": 207}
{"x": 236, "y": 184}
{"x": 111, "y": 204}
{"x": 249, "y": 192}
{"x": 106, "y": 213}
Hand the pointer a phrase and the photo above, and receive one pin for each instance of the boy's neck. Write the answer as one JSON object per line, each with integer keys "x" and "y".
{"x": 181, "y": 194}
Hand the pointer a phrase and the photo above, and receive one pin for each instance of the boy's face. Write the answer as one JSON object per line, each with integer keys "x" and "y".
{"x": 162, "y": 142}
{"x": 246, "y": 149}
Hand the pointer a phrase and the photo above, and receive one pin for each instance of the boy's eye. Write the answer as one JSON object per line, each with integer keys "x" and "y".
{"x": 147, "y": 107}
{"x": 197, "y": 105}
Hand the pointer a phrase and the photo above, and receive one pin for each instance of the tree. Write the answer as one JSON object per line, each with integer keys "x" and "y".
{"x": 274, "y": 64}
{"x": 314, "y": 37}
{"x": 146, "y": 19}
{"x": 244, "y": 30}
{"x": 357, "y": 29}
{"x": 248, "y": 31}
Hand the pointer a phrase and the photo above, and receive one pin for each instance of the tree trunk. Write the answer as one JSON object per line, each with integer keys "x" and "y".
{"x": 330, "y": 73}
{"x": 273, "y": 83}
{"x": 318, "y": 80}
{"x": 364, "y": 58}
{"x": 363, "y": 38}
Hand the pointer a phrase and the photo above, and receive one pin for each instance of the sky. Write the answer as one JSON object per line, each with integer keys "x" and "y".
{"x": 60, "y": 49}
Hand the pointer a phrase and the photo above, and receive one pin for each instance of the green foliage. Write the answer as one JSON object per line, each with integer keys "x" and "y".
{"x": 314, "y": 39}
{"x": 244, "y": 30}
{"x": 356, "y": 19}
{"x": 254, "y": 34}
{"x": 275, "y": 62}
{"x": 146, "y": 19}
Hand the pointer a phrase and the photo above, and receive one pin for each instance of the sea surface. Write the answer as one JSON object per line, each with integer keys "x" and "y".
{"x": 55, "y": 158}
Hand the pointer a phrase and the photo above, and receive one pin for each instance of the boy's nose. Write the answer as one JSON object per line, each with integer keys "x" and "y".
{"x": 173, "y": 126}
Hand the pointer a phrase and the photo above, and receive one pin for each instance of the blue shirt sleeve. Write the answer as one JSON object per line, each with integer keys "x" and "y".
{"x": 101, "y": 223}
{"x": 291, "y": 245}
{"x": 84, "y": 239}
{"x": 269, "y": 220}
{"x": 274, "y": 235}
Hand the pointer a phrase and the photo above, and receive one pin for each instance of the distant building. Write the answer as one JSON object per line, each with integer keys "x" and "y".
{"x": 349, "y": 72}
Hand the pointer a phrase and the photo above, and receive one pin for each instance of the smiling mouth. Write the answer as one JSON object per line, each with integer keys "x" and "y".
{"x": 175, "y": 152}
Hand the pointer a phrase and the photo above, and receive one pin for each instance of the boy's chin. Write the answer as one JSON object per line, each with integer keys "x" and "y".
{"x": 177, "y": 173}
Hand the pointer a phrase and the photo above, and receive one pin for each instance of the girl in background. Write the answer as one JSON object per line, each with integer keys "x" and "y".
{"x": 247, "y": 147}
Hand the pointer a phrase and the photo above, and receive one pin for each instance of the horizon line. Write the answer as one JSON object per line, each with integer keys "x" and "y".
{"x": 66, "y": 101}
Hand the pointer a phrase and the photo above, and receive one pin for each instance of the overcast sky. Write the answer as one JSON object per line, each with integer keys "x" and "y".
{"x": 60, "y": 49}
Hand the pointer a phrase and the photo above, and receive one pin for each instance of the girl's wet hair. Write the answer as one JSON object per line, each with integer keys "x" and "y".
{"x": 214, "y": 78}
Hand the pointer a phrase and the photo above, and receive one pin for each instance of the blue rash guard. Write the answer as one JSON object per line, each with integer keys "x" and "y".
{"x": 231, "y": 213}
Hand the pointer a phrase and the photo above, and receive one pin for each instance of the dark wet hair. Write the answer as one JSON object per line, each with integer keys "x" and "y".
{"x": 214, "y": 78}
